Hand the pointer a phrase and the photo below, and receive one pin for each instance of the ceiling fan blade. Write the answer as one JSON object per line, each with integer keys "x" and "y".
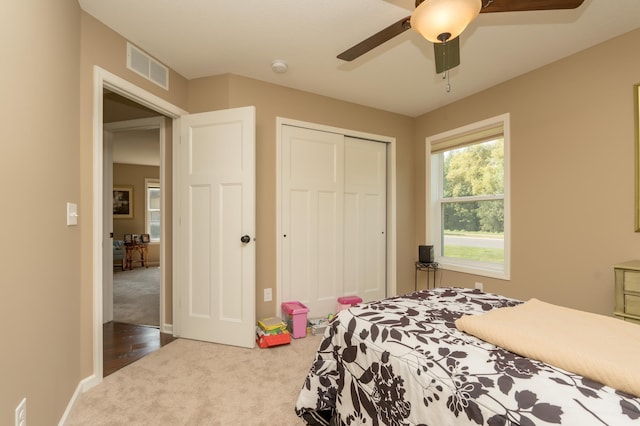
{"x": 524, "y": 5}
{"x": 446, "y": 55}
{"x": 376, "y": 40}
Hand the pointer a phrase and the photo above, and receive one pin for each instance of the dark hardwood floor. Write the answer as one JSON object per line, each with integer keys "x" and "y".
{"x": 123, "y": 344}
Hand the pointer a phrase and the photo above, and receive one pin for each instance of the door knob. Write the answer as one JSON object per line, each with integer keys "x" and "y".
{"x": 245, "y": 239}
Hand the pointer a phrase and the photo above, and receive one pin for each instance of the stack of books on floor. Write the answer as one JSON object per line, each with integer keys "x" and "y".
{"x": 272, "y": 332}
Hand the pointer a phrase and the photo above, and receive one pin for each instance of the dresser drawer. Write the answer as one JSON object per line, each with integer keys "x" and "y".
{"x": 635, "y": 321}
{"x": 632, "y": 304}
{"x": 632, "y": 281}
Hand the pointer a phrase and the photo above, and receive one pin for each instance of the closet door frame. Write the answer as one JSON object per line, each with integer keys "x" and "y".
{"x": 391, "y": 242}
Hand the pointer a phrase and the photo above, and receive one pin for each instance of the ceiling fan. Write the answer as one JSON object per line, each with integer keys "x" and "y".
{"x": 442, "y": 21}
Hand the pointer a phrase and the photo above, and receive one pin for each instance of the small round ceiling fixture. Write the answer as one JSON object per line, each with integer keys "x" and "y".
{"x": 279, "y": 66}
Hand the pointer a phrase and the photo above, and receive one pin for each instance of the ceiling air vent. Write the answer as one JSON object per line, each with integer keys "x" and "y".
{"x": 146, "y": 66}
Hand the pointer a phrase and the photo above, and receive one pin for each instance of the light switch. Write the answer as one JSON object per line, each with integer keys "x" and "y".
{"x": 72, "y": 214}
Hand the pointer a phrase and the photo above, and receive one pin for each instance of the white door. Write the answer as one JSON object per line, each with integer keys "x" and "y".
{"x": 312, "y": 205}
{"x": 333, "y": 218}
{"x": 215, "y": 227}
{"x": 365, "y": 218}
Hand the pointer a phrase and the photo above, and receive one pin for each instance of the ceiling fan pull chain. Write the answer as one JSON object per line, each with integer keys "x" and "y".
{"x": 445, "y": 73}
{"x": 448, "y": 86}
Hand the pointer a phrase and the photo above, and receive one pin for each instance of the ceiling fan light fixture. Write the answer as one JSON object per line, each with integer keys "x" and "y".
{"x": 434, "y": 19}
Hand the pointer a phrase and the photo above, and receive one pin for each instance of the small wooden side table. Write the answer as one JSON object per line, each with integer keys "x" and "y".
{"x": 141, "y": 248}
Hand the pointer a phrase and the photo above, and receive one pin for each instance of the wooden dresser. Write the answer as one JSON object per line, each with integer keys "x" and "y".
{"x": 627, "y": 276}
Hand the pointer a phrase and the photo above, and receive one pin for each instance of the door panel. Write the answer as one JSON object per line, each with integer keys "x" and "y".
{"x": 329, "y": 241}
{"x": 199, "y": 296}
{"x": 231, "y": 265}
{"x": 216, "y": 270}
{"x": 298, "y": 263}
{"x": 365, "y": 218}
{"x": 312, "y": 179}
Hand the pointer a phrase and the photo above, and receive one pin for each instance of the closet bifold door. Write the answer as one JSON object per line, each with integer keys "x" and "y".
{"x": 312, "y": 208}
{"x": 365, "y": 218}
{"x": 333, "y": 218}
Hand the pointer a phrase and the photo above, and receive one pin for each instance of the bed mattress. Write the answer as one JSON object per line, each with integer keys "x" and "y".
{"x": 401, "y": 361}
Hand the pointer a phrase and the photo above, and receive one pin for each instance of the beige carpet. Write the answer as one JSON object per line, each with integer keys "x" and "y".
{"x": 195, "y": 383}
{"x": 136, "y": 296}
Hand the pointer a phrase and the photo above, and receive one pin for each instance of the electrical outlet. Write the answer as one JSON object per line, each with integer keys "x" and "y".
{"x": 479, "y": 286}
{"x": 268, "y": 296}
{"x": 21, "y": 413}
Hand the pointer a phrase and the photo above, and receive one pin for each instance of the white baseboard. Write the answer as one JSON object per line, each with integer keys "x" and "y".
{"x": 167, "y": 328}
{"x": 82, "y": 387}
{"x": 91, "y": 381}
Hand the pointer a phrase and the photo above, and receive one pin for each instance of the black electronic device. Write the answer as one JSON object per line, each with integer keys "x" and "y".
{"x": 425, "y": 254}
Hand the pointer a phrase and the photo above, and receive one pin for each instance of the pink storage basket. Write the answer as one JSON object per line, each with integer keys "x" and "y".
{"x": 295, "y": 315}
{"x": 345, "y": 302}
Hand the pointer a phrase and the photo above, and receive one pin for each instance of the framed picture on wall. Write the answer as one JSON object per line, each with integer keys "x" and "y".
{"x": 123, "y": 202}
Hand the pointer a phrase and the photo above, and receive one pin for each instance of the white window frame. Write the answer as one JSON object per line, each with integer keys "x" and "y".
{"x": 435, "y": 190}
{"x": 151, "y": 183}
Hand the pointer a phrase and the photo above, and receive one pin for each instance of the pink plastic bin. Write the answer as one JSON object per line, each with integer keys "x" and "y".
{"x": 295, "y": 315}
{"x": 346, "y": 302}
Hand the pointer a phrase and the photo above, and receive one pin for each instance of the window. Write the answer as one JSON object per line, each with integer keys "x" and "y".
{"x": 152, "y": 209}
{"x": 469, "y": 212}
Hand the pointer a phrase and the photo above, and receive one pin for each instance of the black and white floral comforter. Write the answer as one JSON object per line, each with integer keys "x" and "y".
{"x": 401, "y": 361}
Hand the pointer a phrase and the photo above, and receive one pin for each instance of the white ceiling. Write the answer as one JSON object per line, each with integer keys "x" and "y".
{"x": 199, "y": 38}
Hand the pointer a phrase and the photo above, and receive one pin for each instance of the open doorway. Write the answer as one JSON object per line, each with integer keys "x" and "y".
{"x": 102, "y": 242}
{"x": 132, "y": 270}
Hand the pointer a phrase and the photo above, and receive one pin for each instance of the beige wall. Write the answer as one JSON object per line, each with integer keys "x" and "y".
{"x": 572, "y": 182}
{"x": 271, "y": 101}
{"x": 572, "y": 174}
{"x": 134, "y": 176}
{"x": 105, "y": 48}
{"x": 39, "y": 174}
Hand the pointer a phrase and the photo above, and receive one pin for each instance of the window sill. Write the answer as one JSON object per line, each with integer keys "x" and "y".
{"x": 446, "y": 264}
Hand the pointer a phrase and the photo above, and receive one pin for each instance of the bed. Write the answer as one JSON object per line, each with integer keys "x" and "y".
{"x": 402, "y": 361}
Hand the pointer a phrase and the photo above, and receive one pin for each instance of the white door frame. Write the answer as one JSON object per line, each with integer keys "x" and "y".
{"x": 391, "y": 196}
{"x": 103, "y": 79}
{"x": 107, "y": 217}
